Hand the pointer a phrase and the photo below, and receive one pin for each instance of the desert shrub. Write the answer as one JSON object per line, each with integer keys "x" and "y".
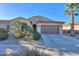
{"x": 3, "y": 34}
{"x": 32, "y": 52}
{"x": 20, "y": 29}
{"x": 18, "y": 35}
{"x": 35, "y": 35}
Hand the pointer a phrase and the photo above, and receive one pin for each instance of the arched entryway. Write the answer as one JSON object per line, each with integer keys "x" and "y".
{"x": 34, "y": 26}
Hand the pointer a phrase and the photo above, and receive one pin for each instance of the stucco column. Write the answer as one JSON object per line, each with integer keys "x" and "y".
{"x": 60, "y": 30}
{"x": 39, "y": 28}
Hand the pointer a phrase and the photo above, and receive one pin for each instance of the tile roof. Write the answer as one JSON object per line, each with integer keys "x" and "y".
{"x": 66, "y": 25}
{"x": 22, "y": 18}
{"x": 5, "y": 21}
{"x": 77, "y": 23}
{"x": 43, "y": 19}
{"x": 40, "y": 19}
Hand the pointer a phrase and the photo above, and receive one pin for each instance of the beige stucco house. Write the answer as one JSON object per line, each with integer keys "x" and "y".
{"x": 43, "y": 25}
{"x": 4, "y": 23}
{"x": 68, "y": 27}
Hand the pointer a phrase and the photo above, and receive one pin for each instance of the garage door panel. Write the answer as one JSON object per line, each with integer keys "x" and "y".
{"x": 49, "y": 29}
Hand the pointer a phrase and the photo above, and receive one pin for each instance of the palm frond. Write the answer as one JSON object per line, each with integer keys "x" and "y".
{"x": 72, "y": 8}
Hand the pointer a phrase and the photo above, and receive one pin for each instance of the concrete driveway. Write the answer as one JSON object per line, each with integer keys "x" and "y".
{"x": 63, "y": 44}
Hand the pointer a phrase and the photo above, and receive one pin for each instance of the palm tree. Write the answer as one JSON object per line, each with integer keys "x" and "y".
{"x": 72, "y": 10}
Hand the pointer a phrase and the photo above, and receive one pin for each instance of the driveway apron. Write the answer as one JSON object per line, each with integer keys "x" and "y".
{"x": 65, "y": 46}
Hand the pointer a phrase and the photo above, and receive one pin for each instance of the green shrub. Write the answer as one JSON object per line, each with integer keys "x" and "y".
{"x": 3, "y": 34}
{"x": 35, "y": 35}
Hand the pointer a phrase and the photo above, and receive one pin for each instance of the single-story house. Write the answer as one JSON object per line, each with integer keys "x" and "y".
{"x": 42, "y": 24}
{"x": 68, "y": 27}
{"x": 4, "y": 23}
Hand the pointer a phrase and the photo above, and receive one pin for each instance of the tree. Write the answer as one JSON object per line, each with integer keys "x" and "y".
{"x": 72, "y": 10}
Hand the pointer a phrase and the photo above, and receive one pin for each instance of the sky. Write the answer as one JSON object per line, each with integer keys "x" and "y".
{"x": 54, "y": 11}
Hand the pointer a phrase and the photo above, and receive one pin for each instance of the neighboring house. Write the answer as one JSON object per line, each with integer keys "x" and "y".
{"x": 41, "y": 24}
{"x": 68, "y": 27}
{"x": 4, "y": 23}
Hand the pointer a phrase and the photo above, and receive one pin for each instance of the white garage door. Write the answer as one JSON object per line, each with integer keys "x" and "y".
{"x": 49, "y": 29}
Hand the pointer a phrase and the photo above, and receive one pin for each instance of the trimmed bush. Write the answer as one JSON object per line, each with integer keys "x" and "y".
{"x": 35, "y": 35}
{"x": 3, "y": 34}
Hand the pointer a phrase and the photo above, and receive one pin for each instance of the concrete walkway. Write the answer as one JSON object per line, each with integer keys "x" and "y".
{"x": 63, "y": 44}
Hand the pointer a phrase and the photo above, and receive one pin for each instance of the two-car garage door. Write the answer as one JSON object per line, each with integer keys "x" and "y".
{"x": 49, "y": 29}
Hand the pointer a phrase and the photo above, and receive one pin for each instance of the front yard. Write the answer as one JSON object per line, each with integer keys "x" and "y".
{"x": 24, "y": 41}
{"x": 18, "y": 34}
{"x": 12, "y": 46}
{"x": 51, "y": 45}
